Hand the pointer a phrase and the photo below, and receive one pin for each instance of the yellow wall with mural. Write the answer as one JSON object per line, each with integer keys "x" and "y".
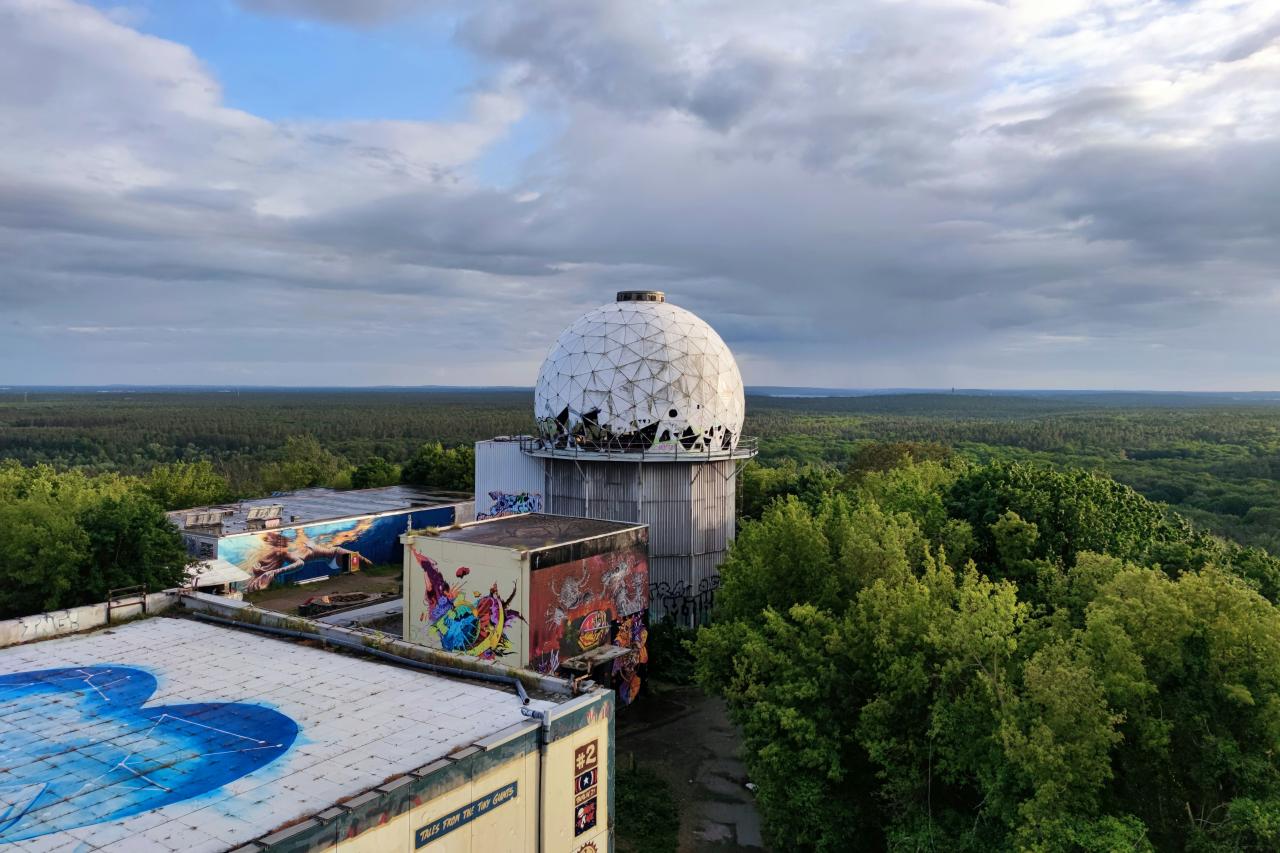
{"x": 490, "y": 583}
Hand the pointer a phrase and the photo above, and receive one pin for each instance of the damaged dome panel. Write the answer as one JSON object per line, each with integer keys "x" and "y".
{"x": 640, "y": 375}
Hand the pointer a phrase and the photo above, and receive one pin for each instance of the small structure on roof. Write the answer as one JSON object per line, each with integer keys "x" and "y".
{"x": 218, "y": 577}
{"x": 557, "y": 594}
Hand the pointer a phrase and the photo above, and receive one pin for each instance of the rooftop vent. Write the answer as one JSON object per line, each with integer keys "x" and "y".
{"x": 641, "y": 296}
{"x": 258, "y": 513}
{"x": 208, "y": 519}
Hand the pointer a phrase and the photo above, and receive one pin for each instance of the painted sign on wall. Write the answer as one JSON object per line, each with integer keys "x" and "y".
{"x": 586, "y": 761}
{"x": 293, "y": 554}
{"x": 473, "y": 810}
{"x": 582, "y": 604}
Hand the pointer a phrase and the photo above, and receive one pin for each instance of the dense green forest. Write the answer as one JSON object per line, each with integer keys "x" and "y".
{"x": 948, "y": 655}
{"x": 1215, "y": 459}
{"x": 947, "y": 623}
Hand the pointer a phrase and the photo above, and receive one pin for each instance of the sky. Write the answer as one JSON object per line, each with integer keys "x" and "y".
{"x": 887, "y": 193}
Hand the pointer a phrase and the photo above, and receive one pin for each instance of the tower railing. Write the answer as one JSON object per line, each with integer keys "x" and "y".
{"x": 746, "y": 448}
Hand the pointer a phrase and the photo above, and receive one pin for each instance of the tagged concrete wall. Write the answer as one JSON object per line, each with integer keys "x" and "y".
{"x": 55, "y": 623}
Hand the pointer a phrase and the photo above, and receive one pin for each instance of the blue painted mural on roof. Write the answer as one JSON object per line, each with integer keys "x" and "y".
{"x": 79, "y": 746}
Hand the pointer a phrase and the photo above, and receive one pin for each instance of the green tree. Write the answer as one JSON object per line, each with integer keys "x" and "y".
{"x": 433, "y": 466}
{"x": 1043, "y": 696}
{"x": 43, "y": 551}
{"x": 302, "y": 463}
{"x": 130, "y": 542}
{"x": 374, "y": 473}
{"x": 181, "y": 485}
{"x": 69, "y": 538}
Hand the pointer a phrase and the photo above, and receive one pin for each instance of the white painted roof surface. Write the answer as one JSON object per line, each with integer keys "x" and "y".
{"x": 650, "y": 372}
{"x": 78, "y": 731}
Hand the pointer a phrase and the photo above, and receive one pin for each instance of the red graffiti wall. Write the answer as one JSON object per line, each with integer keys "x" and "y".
{"x": 579, "y": 605}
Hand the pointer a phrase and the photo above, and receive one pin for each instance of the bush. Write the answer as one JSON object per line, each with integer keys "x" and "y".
{"x": 648, "y": 818}
{"x": 670, "y": 652}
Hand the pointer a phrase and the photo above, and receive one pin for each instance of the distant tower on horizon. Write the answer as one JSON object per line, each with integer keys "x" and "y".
{"x": 639, "y": 409}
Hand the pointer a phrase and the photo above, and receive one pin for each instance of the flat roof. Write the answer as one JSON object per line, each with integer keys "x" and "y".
{"x": 533, "y": 530}
{"x": 308, "y": 505}
{"x": 172, "y": 734}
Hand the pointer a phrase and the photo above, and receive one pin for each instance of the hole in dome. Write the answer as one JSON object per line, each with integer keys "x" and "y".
{"x": 673, "y": 413}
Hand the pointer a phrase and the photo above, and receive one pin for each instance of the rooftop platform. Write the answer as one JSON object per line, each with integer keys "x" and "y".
{"x": 533, "y": 530}
{"x": 170, "y": 734}
{"x": 310, "y": 505}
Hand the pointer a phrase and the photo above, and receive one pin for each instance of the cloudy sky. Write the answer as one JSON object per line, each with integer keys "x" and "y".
{"x": 858, "y": 194}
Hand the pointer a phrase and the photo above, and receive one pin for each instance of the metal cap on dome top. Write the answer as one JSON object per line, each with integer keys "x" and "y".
{"x": 641, "y": 296}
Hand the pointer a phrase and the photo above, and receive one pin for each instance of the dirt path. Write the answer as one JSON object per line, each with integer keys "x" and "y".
{"x": 685, "y": 736}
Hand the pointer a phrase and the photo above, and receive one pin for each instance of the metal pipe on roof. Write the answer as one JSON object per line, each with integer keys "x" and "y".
{"x": 544, "y": 738}
{"x": 439, "y": 669}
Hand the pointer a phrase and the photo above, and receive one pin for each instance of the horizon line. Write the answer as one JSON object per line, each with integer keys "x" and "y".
{"x": 832, "y": 390}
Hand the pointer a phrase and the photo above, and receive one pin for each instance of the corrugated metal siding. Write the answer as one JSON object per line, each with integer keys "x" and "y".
{"x": 501, "y": 467}
{"x": 713, "y": 506}
{"x": 671, "y": 571}
{"x": 665, "y": 506}
{"x": 690, "y": 509}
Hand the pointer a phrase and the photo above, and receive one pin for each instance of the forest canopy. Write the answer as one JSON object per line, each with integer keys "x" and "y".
{"x": 941, "y": 655}
{"x": 1216, "y": 459}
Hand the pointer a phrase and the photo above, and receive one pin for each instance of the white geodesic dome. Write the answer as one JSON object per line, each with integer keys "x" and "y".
{"x": 637, "y": 375}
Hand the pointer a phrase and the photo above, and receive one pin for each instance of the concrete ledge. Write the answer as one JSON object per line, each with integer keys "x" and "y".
{"x": 240, "y": 611}
{"x": 500, "y": 737}
{"x": 57, "y": 623}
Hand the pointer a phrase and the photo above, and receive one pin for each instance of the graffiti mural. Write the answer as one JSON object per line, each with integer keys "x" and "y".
{"x": 590, "y": 602}
{"x": 477, "y": 626}
{"x": 502, "y": 503}
{"x": 628, "y": 670}
{"x": 292, "y": 554}
{"x": 81, "y": 747}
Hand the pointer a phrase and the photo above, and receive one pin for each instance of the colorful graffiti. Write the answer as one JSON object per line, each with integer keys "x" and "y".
{"x": 588, "y": 603}
{"x": 628, "y": 669}
{"x": 511, "y": 504}
{"x": 80, "y": 748}
{"x": 475, "y": 627}
{"x": 294, "y": 554}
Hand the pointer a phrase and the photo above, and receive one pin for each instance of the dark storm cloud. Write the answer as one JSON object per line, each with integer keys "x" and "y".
{"x": 925, "y": 193}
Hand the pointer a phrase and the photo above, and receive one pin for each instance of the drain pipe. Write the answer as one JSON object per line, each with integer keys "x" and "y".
{"x": 544, "y": 738}
{"x": 439, "y": 669}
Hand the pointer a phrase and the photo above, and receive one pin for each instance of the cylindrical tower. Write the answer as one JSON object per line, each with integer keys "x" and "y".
{"x": 640, "y": 408}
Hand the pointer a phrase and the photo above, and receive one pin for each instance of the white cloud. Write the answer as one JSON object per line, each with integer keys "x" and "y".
{"x": 896, "y": 193}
